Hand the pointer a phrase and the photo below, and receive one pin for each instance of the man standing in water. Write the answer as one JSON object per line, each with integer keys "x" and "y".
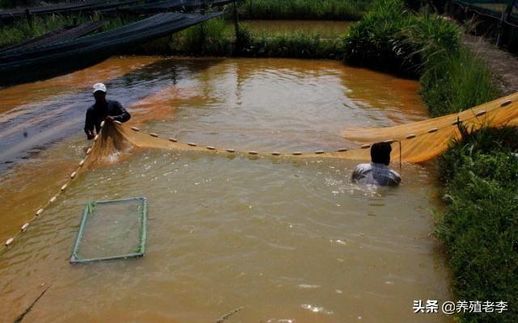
{"x": 103, "y": 110}
{"x": 377, "y": 172}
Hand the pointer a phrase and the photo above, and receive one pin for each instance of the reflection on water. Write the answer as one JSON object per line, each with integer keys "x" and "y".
{"x": 284, "y": 240}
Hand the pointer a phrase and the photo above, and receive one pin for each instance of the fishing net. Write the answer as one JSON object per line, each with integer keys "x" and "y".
{"x": 111, "y": 230}
{"x": 40, "y": 62}
{"x": 414, "y": 142}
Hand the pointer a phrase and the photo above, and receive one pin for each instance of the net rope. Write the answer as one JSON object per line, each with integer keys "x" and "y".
{"x": 418, "y": 141}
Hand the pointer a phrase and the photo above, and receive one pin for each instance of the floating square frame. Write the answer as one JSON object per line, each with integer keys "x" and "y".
{"x": 89, "y": 211}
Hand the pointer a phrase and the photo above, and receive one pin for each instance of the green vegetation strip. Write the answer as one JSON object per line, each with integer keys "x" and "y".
{"x": 304, "y": 9}
{"x": 216, "y": 37}
{"x": 480, "y": 224}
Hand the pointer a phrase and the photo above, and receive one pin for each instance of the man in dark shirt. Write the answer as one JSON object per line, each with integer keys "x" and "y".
{"x": 103, "y": 110}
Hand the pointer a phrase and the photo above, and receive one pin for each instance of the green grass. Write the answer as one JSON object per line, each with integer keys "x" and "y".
{"x": 293, "y": 45}
{"x": 217, "y": 38}
{"x": 21, "y": 30}
{"x": 461, "y": 81}
{"x": 303, "y": 9}
{"x": 209, "y": 38}
{"x": 377, "y": 41}
{"x": 480, "y": 173}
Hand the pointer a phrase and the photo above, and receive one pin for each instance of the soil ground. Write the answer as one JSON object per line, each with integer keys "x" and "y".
{"x": 503, "y": 64}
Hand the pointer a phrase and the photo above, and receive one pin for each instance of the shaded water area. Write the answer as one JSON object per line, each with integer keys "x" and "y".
{"x": 326, "y": 29}
{"x": 281, "y": 239}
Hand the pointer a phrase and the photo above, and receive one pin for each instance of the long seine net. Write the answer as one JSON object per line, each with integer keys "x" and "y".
{"x": 414, "y": 142}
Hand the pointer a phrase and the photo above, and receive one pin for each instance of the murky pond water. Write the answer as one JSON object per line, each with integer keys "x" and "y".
{"x": 280, "y": 239}
{"x": 326, "y": 29}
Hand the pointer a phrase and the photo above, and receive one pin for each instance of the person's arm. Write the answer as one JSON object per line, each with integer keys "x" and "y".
{"x": 120, "y": 113}
{"x": 89, "y": 124}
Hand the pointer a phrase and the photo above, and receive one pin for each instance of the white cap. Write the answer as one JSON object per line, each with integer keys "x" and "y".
{"x": 99, "y": 87}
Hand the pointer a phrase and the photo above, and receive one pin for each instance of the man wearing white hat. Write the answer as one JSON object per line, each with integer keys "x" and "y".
{"x": 103, "y": 110}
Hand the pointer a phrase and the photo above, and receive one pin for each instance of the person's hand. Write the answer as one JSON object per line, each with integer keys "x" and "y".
{"x": 90, "y": 136}
{"x": 109, "y": 118}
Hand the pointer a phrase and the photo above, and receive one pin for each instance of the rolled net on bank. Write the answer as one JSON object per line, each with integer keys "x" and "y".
{"x": 414, "y": 142}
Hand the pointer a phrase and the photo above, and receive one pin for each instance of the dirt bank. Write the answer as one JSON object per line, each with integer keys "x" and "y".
{"x": 503, "y": 64}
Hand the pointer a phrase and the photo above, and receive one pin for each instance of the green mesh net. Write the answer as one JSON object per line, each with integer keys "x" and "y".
{"x": 111, "y": 230}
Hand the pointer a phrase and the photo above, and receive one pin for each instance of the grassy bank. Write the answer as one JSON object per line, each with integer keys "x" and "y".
{"x": 303, "y": 9}
{"x": 480, "y": 173}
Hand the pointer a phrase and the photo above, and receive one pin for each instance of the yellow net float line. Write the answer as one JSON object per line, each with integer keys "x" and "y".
{"x": 9, "y": 242}
{"x": 476, "y": 112}
{"x": 233, "y": 151}
{"x": 415, "y": 137}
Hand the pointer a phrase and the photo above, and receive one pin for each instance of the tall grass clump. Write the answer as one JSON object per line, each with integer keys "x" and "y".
{"x": 461, "y": 81}
{"x": 304, "y": 9}
{"x": 377, "y": 41}
{"x": 453, "y": 77}
{"x": 211, "y": 37}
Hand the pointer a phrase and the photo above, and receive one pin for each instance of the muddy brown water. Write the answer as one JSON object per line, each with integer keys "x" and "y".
{"x": 283, "y": 240}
